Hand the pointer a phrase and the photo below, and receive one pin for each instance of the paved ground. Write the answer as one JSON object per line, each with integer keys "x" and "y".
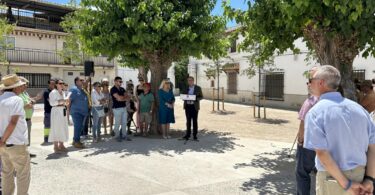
{"x": 237, "y": 154}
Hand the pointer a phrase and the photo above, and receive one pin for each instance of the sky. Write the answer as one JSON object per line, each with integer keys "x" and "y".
{"x": 238, "y": 4}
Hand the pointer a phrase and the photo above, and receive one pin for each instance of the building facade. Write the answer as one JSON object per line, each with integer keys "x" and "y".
{"x": 282, "y": 85}
{"x": 34, "y": 47}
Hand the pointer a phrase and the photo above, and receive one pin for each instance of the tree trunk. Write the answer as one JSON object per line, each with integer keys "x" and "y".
{"x": 142, "y": 73}
{"x": 338, "y": 51}
{"x": 159, "y": 70}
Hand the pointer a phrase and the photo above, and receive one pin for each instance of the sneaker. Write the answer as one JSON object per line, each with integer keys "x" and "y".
{"x": 78, "y": 145}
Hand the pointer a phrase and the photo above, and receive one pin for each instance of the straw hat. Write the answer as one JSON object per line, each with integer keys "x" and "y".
{"x": 11, "y": 81}
{"x": 23, "y": 79}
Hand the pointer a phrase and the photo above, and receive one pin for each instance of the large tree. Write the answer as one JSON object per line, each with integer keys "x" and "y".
{"x": 151, "y": 33}
{"x": 336, "y": 31}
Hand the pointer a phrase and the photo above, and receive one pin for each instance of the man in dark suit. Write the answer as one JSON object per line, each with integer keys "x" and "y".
{"x": 192, "y": 108}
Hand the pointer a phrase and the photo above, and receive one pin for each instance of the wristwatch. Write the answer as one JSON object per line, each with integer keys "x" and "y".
{"x": 369, "y": 178}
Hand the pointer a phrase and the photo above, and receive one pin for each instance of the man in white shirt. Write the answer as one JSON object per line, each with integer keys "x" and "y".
{"x": 14, "y": 137}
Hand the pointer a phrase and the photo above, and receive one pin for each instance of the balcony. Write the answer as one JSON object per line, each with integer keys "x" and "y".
{"x": 33, "y": 56}
{"x": 32, "y": 19}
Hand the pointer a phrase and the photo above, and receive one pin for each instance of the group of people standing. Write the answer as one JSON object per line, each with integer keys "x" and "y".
{"x": 103, "y": 103}
{"x": 336, "y": 136}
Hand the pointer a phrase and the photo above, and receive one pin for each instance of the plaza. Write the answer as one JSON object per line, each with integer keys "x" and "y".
{"x": 237, "y": 154}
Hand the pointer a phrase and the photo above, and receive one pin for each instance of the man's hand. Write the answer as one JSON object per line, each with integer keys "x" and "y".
{"x": 356, "y": 189}
{"x": 368, "y": 187}
{"x": 29, "y": 106}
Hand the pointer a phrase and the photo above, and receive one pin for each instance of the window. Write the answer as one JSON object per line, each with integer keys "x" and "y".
{"x": 37, "y": 80}
{"x": 233, "y": 46}
{"x": 359, "y": 74}
{"x": 275, "y": 86}
{"x": 232, "y": 82}
{"x": 212, "y": 83}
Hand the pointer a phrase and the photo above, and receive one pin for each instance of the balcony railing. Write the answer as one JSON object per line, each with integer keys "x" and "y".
{"x": 30, "y": 19}
{"x": 33, "y": 56}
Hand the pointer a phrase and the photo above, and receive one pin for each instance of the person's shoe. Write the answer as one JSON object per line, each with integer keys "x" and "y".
{"x": 78, "y": 145}
{"x": 183, "y": 138}
{"x": 63, "y": 149}
{"x": 196, "y": 139}
{"x": 113, "y": 133}
{"x": 45, "y": 142}
{"x": 130, "y": 132}
{"x": 32, "y": 155}
{"x": 127, "y": 139}
{"x": 118, "y": 139}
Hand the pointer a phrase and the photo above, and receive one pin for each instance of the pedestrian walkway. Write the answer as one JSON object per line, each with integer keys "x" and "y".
{"x": 221, "y": 163}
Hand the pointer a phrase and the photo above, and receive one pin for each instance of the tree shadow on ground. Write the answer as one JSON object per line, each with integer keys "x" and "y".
{"x": 209, "y": 141}
{"x": 272, "y": 121}
{"x": 278, "y": 177}
{"x": 55, "y": 156}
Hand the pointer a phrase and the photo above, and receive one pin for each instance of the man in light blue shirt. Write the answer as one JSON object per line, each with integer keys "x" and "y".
{"x": 343, "y": 136}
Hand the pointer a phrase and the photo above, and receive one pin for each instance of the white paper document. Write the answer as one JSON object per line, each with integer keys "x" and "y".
{"x": 66, "y": 97}
{"x": 188, "y": 97}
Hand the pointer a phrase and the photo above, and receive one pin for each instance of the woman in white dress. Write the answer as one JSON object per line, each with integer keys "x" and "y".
{"x": 59, "y": 122}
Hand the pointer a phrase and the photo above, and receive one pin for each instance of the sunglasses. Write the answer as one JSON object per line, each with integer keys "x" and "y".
{"x": 82, "y": 80}
{"x": 60, "y": 83}
{"x": 120, "y": 81}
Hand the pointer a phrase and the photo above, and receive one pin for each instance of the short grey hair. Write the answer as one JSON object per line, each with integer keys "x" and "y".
{"x": 330, "y": 75}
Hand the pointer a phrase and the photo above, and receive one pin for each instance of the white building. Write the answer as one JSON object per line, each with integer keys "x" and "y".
{"x": 284, "y": 85}
{"x": 36, "y": 44}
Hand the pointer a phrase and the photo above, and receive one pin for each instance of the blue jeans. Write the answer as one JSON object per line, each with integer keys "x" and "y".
{"x": 78, "y": 120}
{"x": 96, "y": 122}
{"x": 121, "y": 117}
{"x": 305, "y": 163}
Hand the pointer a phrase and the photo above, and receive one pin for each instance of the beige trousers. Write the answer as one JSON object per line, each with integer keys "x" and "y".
{"x": 15, "y": 159}
{"x": 327, "y": 185}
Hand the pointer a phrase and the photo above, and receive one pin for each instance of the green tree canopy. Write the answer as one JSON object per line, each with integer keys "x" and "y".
{"x": 336, "y": 31}
{"x": 151, "y": 33}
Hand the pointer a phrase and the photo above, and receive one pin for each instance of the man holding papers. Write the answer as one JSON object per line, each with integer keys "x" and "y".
{"x": 191, "y": 98}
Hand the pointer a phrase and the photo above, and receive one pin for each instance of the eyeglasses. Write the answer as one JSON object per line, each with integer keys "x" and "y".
{"x": 311, "y": 79}
{"x": 82, "y": 80}
{"x": 120, "y": 81}
{"x": 60, "y": 83}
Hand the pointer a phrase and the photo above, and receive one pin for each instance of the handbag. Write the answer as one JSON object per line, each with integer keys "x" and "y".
{"x": 100, "y": 111}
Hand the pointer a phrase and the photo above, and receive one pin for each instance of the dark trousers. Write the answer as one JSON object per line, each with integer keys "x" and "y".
{"x": 78, "y": 120}
{"x": 86, "y": 124}
{"x": 305, "y": 163}
{"x": 191, "y": 114}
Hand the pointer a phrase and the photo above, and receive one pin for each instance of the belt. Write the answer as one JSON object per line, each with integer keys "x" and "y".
{"x": 28, "y": 119}
{"x": 8, "y": 145}
{"x": 59, "y": 106}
